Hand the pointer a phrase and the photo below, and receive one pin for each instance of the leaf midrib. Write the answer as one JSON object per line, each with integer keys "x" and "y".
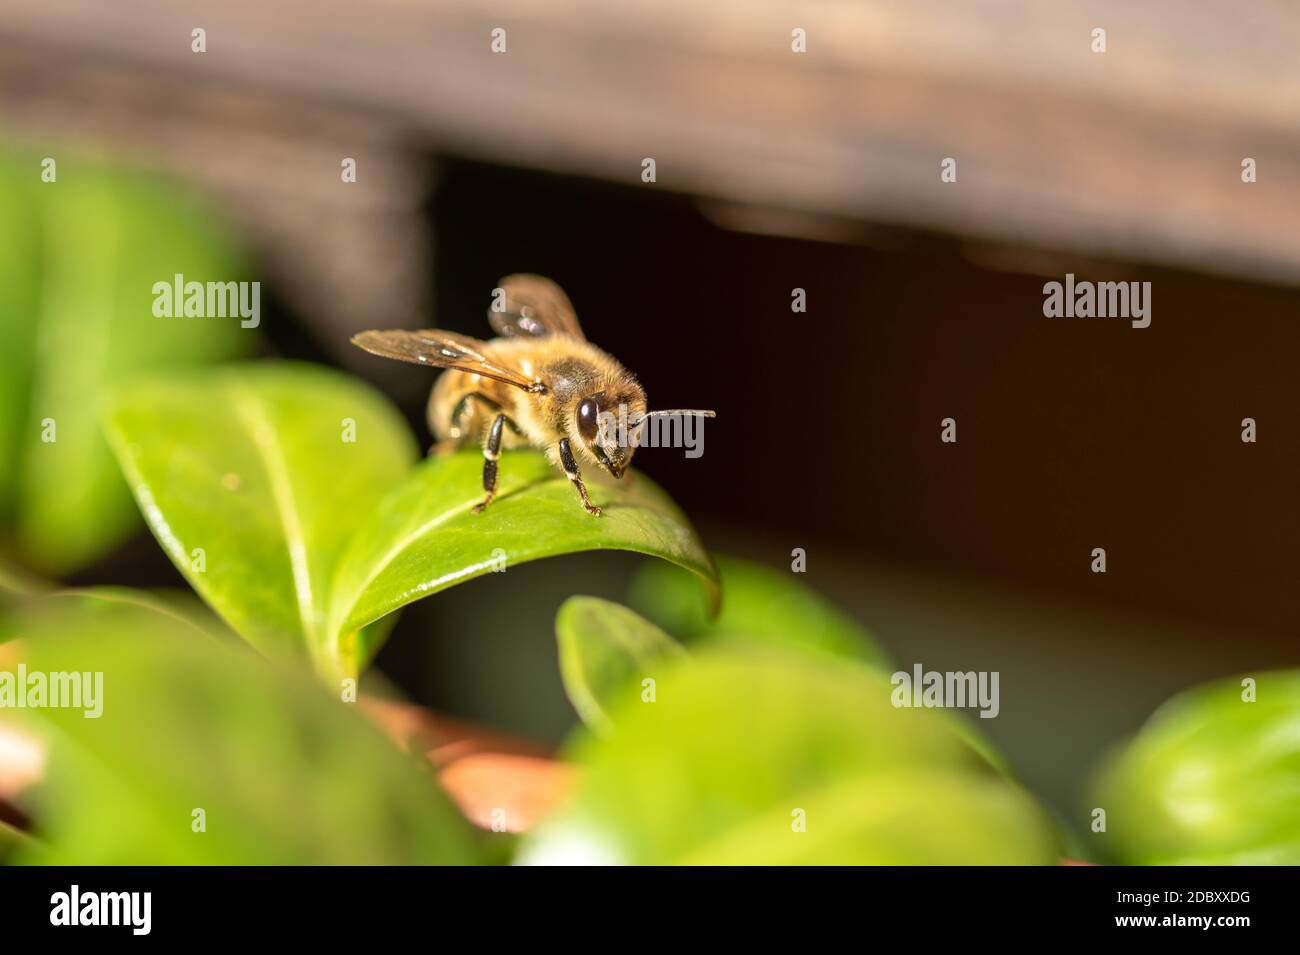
{"x": 254, "y": 421}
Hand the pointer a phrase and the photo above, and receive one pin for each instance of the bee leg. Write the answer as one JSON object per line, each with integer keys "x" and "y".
{"x": 491, "y": 450}
{"x": 459, "y": 415}
{"x": 571, "y": 469}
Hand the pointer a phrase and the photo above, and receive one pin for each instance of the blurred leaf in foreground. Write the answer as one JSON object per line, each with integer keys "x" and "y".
{"x": 606, "y": 649}
{"x": 758, "y": 604}
{"x": 282, "y": 772}
{"x": 780, "y": 755}
{"x": 1212, "y": 779}
{"x": 78, "y": 261}
{"x": 12, "y": 841}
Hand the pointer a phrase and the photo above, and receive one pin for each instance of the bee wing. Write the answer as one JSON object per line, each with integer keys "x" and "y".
{"x": 432, "y": 346}
{"x": 533, "y": 307}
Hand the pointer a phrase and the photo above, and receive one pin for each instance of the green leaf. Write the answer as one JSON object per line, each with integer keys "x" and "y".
{"x": 604, "y": 649}
{"x": 182, "y": 606}
{"x": 12, "y": 841}
{"x": 913, "y": 816}
{"x": 19, "y": 308}
{"x": 34, "y": 614}
{"x": 284, "y": 772}
{"x": 78, "y": 261}
{"x": 737, "y": 742}
{"x": 759, "y": 604}
{"x": 16, "y": 584}
{"x": 424, "y": 537}
{"x": 1210, "y": 780}
{"x": 310, "y": 542}
{"x": 246, "y": 473}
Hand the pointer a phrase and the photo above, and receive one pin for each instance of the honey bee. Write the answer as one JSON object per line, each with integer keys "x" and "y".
{"x": 540, "y": 383}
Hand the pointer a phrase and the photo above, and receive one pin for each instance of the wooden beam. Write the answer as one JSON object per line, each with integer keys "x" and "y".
{"x": 1134, "y": 153}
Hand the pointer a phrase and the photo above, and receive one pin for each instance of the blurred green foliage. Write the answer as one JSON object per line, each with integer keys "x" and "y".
{"x": 12, "y": 843}
{"x": 284, "y": 772}
{"x": 765, "y": 607}
{"x": 758, "y": 604}
{"x": 78, "y": 260}
{"x": 769, "y": 754}
{"x": 604, "y": 649}
{"x": 1212, "y": 779}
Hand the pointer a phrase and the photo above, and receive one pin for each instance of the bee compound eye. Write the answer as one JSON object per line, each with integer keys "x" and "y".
{"x": 588, "y": 415}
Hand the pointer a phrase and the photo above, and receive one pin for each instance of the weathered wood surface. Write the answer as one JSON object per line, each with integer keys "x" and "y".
{"x": 1135, "y": 153}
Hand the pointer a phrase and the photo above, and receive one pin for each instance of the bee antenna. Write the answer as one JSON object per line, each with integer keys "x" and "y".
{"x": 674, "y": 411}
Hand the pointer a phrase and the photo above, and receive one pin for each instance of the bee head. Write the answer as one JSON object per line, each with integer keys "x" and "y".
{"x": 605, "y": 428}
